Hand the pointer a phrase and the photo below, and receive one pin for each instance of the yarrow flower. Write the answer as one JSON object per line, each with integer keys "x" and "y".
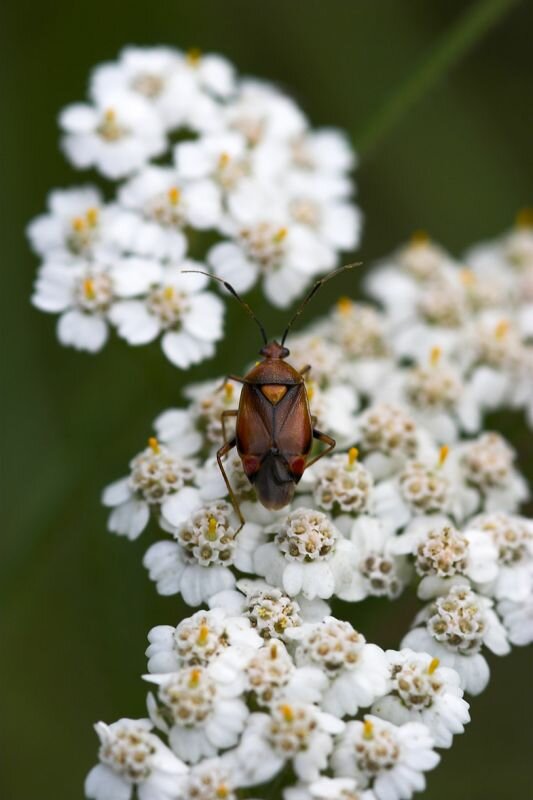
{"x": 201, "y": 639}
{"x": 209, "y": 171}
{"x": 292, "y": 732}
{"x": 200, "y": 708}
{"x": 307, "y": 555}
{"x": 454, "y": 628}
{"x": 251, "y": 188}
{"x": 398, "y": 505}
{"x": 357, "y": 672}
{"x": 390, "y": 759}
{"x": 198, "y": 564}
{"x": 133, "y": 760}
{"x": 424, "y": 691}
{"x": 160, "y": 480}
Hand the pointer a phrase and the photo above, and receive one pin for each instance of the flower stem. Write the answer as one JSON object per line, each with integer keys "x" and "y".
{"x": 444, "y": 55}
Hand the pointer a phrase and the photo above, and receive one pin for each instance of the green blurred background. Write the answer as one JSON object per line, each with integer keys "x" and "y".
{"x": 448, "y": 150}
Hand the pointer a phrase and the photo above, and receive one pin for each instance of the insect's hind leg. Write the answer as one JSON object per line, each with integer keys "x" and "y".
{"x": 223, "y": 451}
{"x": 325, "y": 439}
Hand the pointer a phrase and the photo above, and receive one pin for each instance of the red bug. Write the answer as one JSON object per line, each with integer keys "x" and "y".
{"x": 274, "y": 429}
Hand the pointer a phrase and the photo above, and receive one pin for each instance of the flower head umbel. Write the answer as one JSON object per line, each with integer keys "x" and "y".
{"x": 117, "y": 134}
{"x": 424, "y": 691}
{"x": 512, "y": 538}
{"x": 85, "y": 294}
{"x": 273, "y": 675}
{"x": 201, "y": 639}
{"x": 307, "y": 555}
{"x": 263, "y": 684}
{"x": 291, "y": 732}
{"x": 441, "y": 552}
{"x": 198, "y": 563}
{"x": 357, "y": 672}
{"x": 73, "y": 226}
{"x": 134, "y": 759}
{"x": 160, "y": 481}
{"x": 454, "y": 628}
{"x": 343, "y": 484}
{"x": 390, "y": 759}
{"x": 272, "y": 612}
{"x": 201, "y": 709}
{"x": 250, "y": 189}
{"x": 188, "y": 318}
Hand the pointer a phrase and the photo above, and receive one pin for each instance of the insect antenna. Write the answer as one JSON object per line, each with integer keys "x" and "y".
{"x": 232, "y": 291}
{"x": 314, "y": 290}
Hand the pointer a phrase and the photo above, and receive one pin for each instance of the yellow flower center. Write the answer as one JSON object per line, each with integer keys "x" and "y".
{"x": 288, "y": 713}
{"x": 194, "y": 56}
{"x": 203, "y": 635}
{"x": 194, "y": 679}
{"x": 344, "y": 305}
{"x": 435, "y": 355}
{"x": 174, "y": 195}
{"x": 353, "y": 453}
{"x": 154, "y": 444}
{"x": 443, "y": 454}
{"x": 434, "y": 663}
{"x": 419, "y": 238}
{"x": 524, "y": 218}
{"x": 88, "y": 288}
{"x": 502, "y": 329}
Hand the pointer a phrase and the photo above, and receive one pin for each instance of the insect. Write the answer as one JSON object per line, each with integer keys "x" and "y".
{"x": 274, "y": 430}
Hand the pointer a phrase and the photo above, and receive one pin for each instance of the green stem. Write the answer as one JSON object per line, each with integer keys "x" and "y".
{"x": 454, "y": 44}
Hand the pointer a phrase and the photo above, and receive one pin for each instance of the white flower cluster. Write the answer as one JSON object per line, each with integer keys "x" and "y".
{"x": 465, "y": 327}
{"x": 263, "y": 683}
{"x": 216, "y": 172}
{"x": 266, "y": 678}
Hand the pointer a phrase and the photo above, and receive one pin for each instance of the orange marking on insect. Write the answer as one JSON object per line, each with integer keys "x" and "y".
{"x": 274, "y": 392}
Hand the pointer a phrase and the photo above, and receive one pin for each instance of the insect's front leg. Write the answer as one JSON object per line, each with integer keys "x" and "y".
{"x": 223, "y": 417}
{"x": 223, "y": 451}
{"x": 228, "y": 378}
{"x": 305, "y": 370}
{"x": 327, "y": 440}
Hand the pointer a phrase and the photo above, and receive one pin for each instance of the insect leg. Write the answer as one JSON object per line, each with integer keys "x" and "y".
{"x": 224, "y": 450}
{"x": 305, "y": 369}
{"x": 327, "y": 440}
{"x": 225, "y": 414}
{"x": 235, "y": 378}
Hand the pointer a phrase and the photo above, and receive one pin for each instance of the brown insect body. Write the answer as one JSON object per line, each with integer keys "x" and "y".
{"x": 274, "y": 427}
{"x": 274, "y": 432}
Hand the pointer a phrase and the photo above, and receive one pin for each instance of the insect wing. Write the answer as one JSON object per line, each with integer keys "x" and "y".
{"x": 293, "y": 432}
{"x": 254, "y": 429}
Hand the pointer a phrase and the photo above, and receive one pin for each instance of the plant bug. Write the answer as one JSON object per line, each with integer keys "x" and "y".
{"x": 274, "y": 431}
